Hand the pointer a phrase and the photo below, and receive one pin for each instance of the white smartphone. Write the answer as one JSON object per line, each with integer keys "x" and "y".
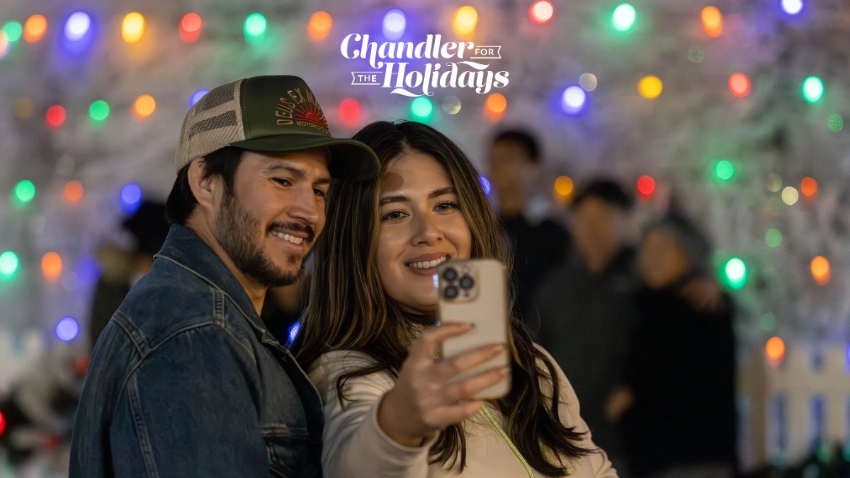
{"x": 475, "y": 291}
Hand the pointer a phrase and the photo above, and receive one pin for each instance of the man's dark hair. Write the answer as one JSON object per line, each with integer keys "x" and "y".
{"x": 606, "y": 190}
{"x": 526, "y": 140}
{"x": 181, "y": 202}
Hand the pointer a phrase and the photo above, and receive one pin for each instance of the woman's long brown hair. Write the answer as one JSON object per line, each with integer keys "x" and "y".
{"x": 349, "y": 310}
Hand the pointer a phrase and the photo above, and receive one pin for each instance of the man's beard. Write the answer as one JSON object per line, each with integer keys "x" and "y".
{"x": 235, "y": 227}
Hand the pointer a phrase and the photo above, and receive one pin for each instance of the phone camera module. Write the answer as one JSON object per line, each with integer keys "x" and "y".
{"x": 466, "y": 282}
{"x": 450, "y": 274}
{"x": 451, "y": 292}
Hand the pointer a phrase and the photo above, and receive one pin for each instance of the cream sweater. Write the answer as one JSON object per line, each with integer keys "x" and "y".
{"x": 356, "y": 447}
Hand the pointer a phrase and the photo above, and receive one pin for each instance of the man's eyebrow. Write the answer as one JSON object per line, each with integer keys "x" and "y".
{"x": 296, "y": 172}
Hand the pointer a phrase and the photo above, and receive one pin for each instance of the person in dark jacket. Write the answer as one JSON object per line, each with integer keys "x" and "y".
{"x": 585, "y": 306}
{"x": 186, "y": 380}
{"x": 679, "y": 394}
{"x": 539, "y": 244}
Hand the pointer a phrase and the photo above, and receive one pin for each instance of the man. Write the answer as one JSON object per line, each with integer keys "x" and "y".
{"x": 585, "y": 307}
{"x": 186, "y": 381}
{"x": 538, "y": 245}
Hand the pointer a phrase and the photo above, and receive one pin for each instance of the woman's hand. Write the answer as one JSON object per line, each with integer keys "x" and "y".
{"x": 427, "y": 397}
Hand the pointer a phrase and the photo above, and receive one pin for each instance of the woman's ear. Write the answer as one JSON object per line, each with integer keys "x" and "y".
{"x": 203, "y": 187}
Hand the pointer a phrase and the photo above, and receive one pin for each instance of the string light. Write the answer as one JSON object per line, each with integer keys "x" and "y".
{"x": 650, "y": 87}
{"x": 774, "y": 182}
{"x": 131, "y": 198}
{"x": 51, "y": 266}
{"x": 465, "y": 20}
{"x": 73, "y": 191}
{"x": 696, "y": 54}
{"x": 99, "y": 110}
{"x": 624, "y": 17}
{"x": 723, "y": 170}
{"x": 573, "y": 99}
{"x": 421, "y": 109}
{"x": 820, "y": 270}
{"x": 67, "y": 329}
{"x": 196, "y": 97}
{"x": 9, "y": 265}
{"x": 790, "y": 196}
{"x": 451, "y": 105}
{"x": 485, "y": 185}
{"x": 77, "y": 26}
{"x": 835, "y": 122}
{"x": 739, "y": 85}
{"x": 813, "y": 89}
{"x": 587, "y": 81}
{"x": 133, "y": 27}
{"x": 809, "y": 187}
{"x": 773, "y": 238}
{"x": 394, "y": 24}
{"x": 646, "y": 186}
{"x": 541, "y": 12}
{"x": 564, "y": 188}
{"x": 349, "y": 111}
{"x": 792, "y": 7}
{"x": 735, "y": 273}
{"x": 255, "y": 27}
{"x": 319, "y": 26}
{"x": 144, "y": 106}
{"x": 712, "y": 21}
{"x": 190, "y": 27}
{"x": 775, "y": 350}
{"x": 495, "y": 106}
{"x": 13, "y": 31}
{"x": 34, "y": 28}
{"x": 24, "y": 191}
{"x": 55, "y": 116}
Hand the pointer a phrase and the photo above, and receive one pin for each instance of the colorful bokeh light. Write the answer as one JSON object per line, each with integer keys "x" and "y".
{"x": 34, "y": 28}
{"x": 650, "y": 87}
{"x": 77, "y": 26}
{"x": 421, "y": 109}
{"x": 792, "y": 7}
{"x": 99, "y": 110}
{"x": 588, "y": 81}
{"x": 809, "y": 187}
{"x": 320, "y": 26}
{"x": 773, "y": 238}
{"x": 813, "y": 89}
{"x": 190, "y": 27}
{"x": 51, "y": 266}
{"x": 624, "y": 17}
{"x": 349, "y": 111}
{"x": 196, "y": 97}
{"x": 775, "y": 350}
{"x": 646, "y": 186}
{"x": 495, "y": 106}
{"x": 73, "y": 191}
{"x": 9, "y": 265}
{"x": 564, "y": 187}
{"x": 739, "y": 84}
{"x": 485, "y": 185}
{"x": 133, "y": 27}
{"x": 541, "y": 12}
{"x": 712, "y": 21}
{"x": 24, "y": 191}
{"x": 144, "y": 106}
{"x": 67, "y": 329}
{"x": 835, "y": 122}
{"x": 394, "y": 24}
{"x": 465, "y": 20}
{"x": 820, "y": 270}
{"x": 451, "y": 105}
{"x": 735, "y": 273}
{"x": 13, "y": 30}
{"x": 790, "y": 196}
{"x": 723, "y": 170}
{"x": 255, "y": 27}
{"x": 131, "y": 198}
{"x": 573, "y": 99}
{"x": 55, "y": 116}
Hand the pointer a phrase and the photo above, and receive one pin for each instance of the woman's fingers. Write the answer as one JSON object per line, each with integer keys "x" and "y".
{"x": 471, "y": 386}
{"x": 425, "y": 346}
{"x": 460, "y": 363}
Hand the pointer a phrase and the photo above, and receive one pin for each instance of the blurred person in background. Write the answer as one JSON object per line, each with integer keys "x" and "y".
{"x": 121, "y": 269}
{"x": 585, "y": 306}
{"x": 677, "y": 403}
{"x": 538, "y": 244}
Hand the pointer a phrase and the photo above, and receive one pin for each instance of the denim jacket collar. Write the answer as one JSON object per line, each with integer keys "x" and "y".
{"x": 185, "y": 248}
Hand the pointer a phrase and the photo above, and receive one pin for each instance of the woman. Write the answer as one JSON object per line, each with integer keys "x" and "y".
{"x": 680, "y": 391}
{"x": 367, "y": 341}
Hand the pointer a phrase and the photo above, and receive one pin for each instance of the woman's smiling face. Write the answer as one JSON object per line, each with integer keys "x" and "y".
{"x": 420, "y": 226}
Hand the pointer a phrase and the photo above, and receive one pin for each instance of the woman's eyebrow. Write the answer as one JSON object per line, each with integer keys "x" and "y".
{"x": 389, "y": 199}
{"x": 442, "y": 192}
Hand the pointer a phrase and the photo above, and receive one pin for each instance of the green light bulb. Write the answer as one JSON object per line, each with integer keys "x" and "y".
{"x": 24, "y": 191}
{"x": 255, "y": 26}
{"x": 773, "y": 238}
{"x": 624, "y": 17}
{"x": 421, "y": 108}
{"x": 13, "y": 31}
{"x": 99, "y": 110}
{"x": 813, "y": 89}
{"x": 8, "y": 264}
{"x": 735, "y": 272}
{"x": 724, "y": 170}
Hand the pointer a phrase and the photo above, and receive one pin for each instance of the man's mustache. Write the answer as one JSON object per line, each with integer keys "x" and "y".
{"x": 293, "y": 226}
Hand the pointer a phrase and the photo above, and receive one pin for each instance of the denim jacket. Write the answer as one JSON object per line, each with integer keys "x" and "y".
{"x": 186, "y": 381}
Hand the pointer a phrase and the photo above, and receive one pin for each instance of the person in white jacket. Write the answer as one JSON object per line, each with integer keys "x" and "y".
{"x": 368, "y": 338}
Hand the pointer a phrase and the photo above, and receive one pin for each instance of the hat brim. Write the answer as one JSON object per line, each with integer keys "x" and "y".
{"x": 350, "y": 159}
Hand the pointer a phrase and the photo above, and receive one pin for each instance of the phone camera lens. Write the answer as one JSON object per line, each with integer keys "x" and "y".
{"x": 450, "y": 274}
{"x": 451, "y": 292}
{"x": 466, "y": 282}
